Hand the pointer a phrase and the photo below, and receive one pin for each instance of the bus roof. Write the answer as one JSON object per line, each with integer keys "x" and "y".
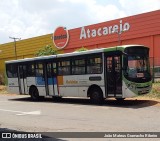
{"x": 31, "y": 59}
{"x": 98, "y": 50}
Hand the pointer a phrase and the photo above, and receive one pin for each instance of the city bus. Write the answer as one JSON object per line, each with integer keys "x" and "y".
{"x": 119, "y": 72}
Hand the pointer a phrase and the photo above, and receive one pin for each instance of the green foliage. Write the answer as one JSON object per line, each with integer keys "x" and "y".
{"x": 47, "y": 50}
{"x": 81, "y": 49}
{"x": 2, "y": 79}
{"x": 155, "y": 92}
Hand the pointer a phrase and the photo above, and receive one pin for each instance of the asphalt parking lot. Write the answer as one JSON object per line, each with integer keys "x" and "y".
{"x": 19, "y": 113}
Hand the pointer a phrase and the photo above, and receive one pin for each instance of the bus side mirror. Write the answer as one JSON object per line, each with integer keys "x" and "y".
{"x": 124, "y": 53}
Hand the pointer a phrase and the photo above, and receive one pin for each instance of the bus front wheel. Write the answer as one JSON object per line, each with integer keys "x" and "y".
{"x": 34, "y": 94}
{"x": 96, "y": 97}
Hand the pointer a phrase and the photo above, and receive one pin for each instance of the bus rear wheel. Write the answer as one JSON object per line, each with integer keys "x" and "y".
{"x": 34, "y": 94}
{"x": 96, "y": 97}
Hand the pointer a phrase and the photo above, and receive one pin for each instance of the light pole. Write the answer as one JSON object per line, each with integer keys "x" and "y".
{"x": 15, "y": 49}
{"x": 119, "y": 34}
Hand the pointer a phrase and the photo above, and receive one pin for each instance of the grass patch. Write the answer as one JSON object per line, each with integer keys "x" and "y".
{"x": 155, "y": 92}
{"x": 3, "y": 89}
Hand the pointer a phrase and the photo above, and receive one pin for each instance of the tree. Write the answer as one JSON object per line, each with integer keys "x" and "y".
{"x": 47, "y": 50}
{"x": 81, "y": 49}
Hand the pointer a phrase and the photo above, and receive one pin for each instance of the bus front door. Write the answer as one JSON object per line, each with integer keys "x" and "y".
{"x": 51, "y": 79}
{"x": 113, "y": 76}
{"x": 22, "y": 79}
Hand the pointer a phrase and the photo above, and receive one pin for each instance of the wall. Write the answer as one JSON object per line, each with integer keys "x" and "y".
{"x": 25, "y": 48}
{"x": 142, "y": 27}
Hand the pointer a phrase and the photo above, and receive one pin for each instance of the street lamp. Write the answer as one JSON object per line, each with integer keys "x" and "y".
{"x": 119, "y": 34}
{"x": 15, "y": 50}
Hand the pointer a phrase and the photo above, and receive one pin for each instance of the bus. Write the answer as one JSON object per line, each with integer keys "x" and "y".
{"x": 119, "y": 72}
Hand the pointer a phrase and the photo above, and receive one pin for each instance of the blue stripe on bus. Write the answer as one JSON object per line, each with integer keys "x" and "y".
{"x": 40, "y": 81}
{"x": 50, "y": 81}
{"x": 55, "y": 80}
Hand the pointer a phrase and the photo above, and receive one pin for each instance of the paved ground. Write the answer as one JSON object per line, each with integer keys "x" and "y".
{"x": 19, "y": 113}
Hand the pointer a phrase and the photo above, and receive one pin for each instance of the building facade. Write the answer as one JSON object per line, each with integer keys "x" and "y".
{"x": 141, "y": 29}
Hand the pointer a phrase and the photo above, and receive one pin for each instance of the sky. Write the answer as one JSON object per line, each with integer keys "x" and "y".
{"x": 30, "y": 18}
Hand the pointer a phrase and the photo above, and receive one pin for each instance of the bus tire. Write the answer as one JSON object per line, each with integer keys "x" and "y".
{"x": 96, "y": 97}
{"x": 34, "y": 94}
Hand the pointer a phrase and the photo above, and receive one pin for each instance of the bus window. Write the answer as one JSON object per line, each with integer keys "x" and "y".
{"x": 78, "y": 66}
{"x": 64, "y": 67}
{"x": 30, "y": 70}
{"x": 54, "y": 68}
{"x": 49, "y": 70}
{"x": 22, "y": 71}
{"x": 94, "y": 65}
{"x": 117, "y": 64}
{"x": 39, "y": 69}
{"x": 11, "y": 70}
{"x": 137, "y": 66}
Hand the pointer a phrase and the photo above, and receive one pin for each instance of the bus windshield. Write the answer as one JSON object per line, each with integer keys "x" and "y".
{"x": 137, "y": 67}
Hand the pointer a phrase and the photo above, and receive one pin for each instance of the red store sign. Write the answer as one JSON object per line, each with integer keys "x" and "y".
{"x": 60, "y": 37}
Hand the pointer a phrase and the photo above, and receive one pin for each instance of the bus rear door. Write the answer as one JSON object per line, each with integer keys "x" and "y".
{"x": 51, "y": 79}
{"x": 22, "y": 79}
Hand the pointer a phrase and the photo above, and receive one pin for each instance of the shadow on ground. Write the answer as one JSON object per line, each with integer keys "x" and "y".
{"x": 128, "y": 103}
{"x": 11, "y": 135}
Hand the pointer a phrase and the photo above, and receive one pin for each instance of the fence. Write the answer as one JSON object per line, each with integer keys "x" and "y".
{"x": 155, "y": 68}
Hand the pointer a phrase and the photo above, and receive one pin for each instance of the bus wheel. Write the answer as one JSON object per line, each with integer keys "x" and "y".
{"x": 34, "y": 94}
{"x": 96, "y": 97}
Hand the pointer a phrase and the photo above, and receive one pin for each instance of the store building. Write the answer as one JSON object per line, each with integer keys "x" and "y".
{"x": 138, "y": 29}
